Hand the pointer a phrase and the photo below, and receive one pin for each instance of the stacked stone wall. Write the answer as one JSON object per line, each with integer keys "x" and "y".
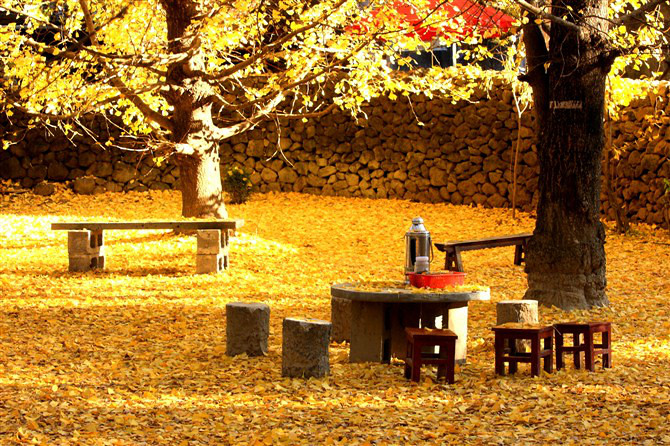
{"x": 415, "y": 148}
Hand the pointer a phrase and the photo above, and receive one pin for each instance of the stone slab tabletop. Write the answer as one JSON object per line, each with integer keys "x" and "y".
{"x": 370, "y": 292}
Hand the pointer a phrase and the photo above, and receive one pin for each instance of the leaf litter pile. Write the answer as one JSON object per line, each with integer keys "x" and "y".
{"x": 136, "y": 354}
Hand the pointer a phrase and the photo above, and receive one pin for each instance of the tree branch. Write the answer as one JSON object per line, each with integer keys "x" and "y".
{"x": 311, "y": 115}
{"x": 270, "y": 47}
{"x": 16, "y": 12}
{"x": 634, "y": 16}
{"x": 86, "y": 110}
{"x": 147, "y": 111}
{"x": 545, "y": 15}
{"x": 227, "y": 132}
{"x": 537, "y": 54}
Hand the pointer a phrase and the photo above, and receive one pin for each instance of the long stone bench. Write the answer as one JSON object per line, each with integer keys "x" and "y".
{"x": 86, "y": 250}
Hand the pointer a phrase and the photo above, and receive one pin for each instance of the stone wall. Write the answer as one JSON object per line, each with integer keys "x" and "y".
{"x": 641, "y": 162}
{"x": 431, "y": 150}
{"x": 46, "y": 155}
{"x": 418, "y": 149}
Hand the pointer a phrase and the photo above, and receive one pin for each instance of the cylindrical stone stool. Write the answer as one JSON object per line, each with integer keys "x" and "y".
{"x": 247, "y": 328}
{"x": 340, "y": 317}
{"x": 521, "y": 311}
{"x": 305, "y": 348}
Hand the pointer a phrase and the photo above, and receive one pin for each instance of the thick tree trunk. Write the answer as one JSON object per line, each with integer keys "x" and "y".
{"x": 566, "y": 258}
{"x": 190, "y": 96}
{"x": 200, "y": 182}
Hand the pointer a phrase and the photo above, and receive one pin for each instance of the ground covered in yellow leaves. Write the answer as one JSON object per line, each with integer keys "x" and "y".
{"x": 136, "y": 354}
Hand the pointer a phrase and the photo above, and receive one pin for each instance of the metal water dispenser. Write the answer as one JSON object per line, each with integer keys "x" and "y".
{"x": 417, "y": 244}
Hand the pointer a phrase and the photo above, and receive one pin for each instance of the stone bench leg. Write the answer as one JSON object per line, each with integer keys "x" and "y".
{"x": 212, "y": 252}
{"x": 85, "y": 250}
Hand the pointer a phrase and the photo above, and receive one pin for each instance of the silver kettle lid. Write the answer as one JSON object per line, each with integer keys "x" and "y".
{"x": 417, "y": 225}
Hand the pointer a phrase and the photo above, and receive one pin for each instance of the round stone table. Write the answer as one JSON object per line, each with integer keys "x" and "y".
{"x": 379, "y": 315}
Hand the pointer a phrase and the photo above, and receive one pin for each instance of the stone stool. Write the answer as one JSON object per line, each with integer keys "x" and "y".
{"x": 590, "y": 349}
{"x": 417, "y": 339}
{"x": 305, "y": 348}
{"x": 510, "y": 333}
{"x": 522, "y": 311}
{"x": 247, "y": 328}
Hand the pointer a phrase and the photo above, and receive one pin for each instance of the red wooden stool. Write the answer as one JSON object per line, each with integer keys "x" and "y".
{"x": 417, "y": 338}
{"x": 511, "y": 332}
{"x": 589, "y": 348}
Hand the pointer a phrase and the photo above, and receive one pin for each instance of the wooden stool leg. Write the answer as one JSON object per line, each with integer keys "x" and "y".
{"x": 499, "y": 352}
{"x": 408, "y": 370}
{"x": 559, "y": 350}
{"x": 589, "y": 359}
{"x": 416, "y": 362}
{"x": 513, "y": 365}
{"x": 442, "y": 369}
{"x": 577, "y": 343}
{"x": 549, "y": 359}
{"x": 535, "y": 355}
{"x": 451, "y": 356}
{"x": 607, "y": 345}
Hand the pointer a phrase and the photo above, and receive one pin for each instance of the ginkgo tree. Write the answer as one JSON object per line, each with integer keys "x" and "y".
{"x": 571, "y": 46}
{"x": 183, "y": 75}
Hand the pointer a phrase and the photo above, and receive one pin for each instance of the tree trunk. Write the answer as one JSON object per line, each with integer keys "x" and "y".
{"x": 200, "y": 183}
{"x": 565, "y": 259}
{"x": 193, "y": 128}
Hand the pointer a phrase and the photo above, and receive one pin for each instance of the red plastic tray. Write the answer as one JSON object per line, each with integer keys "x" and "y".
{"x": 436, "y": 280}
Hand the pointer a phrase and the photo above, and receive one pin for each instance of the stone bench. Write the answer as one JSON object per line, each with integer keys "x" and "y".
{"x": 86, "y": 248}
{"x": 453, "y": 249}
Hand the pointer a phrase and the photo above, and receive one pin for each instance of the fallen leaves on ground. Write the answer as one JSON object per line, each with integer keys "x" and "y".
{"x": 136, "y": 354}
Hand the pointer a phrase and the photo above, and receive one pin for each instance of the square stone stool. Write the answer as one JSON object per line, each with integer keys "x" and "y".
{"x": 511, "y": 332}
{"x": 417, "y": 339}
{"x": 590, "y": 349}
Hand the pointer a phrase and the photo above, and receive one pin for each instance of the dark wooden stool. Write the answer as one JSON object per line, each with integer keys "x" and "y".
{"x": 417, "y": 339}
{"x": 590, "y": 349}
{"x": 510, "y": 333}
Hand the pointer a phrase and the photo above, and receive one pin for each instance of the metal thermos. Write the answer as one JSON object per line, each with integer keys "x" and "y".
{"x": 417, "y": 244}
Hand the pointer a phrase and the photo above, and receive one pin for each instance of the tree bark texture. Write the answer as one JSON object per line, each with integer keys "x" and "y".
{"x": 565, "y": 260}
{"x": 199, "y": 170}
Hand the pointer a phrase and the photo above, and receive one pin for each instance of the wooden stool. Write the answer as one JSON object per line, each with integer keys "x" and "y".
{"x": 511, "y": 332}
{"x": 588, "y": 347}
{"x": 417, "y": 338}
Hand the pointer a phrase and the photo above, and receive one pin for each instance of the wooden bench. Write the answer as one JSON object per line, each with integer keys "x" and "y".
{"x": 85, "y": 241}
{"x": 453, "y": 249}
